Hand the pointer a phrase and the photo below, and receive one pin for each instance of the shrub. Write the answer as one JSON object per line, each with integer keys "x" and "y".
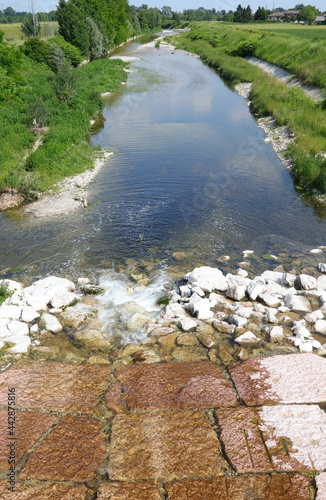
{"x": 4, "y": 292}
{"x": 37, "y": 50}
{"x": 72, "y": 53}
{"x": 244, "y": 49}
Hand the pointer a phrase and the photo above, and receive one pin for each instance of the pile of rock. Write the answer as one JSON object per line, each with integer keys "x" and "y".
{"x": 278, "y": 306}
{"x": 46, "y": 304}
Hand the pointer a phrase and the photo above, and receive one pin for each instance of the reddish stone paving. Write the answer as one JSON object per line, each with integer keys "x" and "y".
{"x": 73, "y": 451}
{"x": 168, "y": 445}
{"x": 178, "y": 427}
{"x": 49, "y": 491}
{"x": 175, "y": 386}
{"x": 142, "y": 490}
{"x": 29, "y": 427}
{"x": 297, "y": 378}
{"x": 55, "y": 386}
{"x": 286, "y": 487}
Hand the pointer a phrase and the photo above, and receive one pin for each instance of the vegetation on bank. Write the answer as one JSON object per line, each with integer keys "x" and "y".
{"x": 51, "y": 99}
{"x": 224, "y": 48}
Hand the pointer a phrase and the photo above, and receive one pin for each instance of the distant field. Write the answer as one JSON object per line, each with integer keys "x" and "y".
{"x": 13, "y": 32}
{"x": 314, "y": 33}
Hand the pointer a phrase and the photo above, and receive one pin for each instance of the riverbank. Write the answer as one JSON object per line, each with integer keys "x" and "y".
{"x": 288, "y": 106}
{"x": 218, "y": 370}
{"x": 58, "y": 123}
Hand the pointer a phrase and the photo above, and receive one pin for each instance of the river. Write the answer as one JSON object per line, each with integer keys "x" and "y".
{"x": 191, "y": 174}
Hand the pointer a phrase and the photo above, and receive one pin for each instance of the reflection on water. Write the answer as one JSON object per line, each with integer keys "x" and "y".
{"x": 191, "y": 173}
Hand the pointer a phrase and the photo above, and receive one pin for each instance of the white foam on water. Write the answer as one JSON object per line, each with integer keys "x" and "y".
{"x": 121, "y": 301}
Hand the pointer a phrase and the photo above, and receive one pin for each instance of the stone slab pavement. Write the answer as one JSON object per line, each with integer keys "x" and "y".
{"x": 174, "y": 430}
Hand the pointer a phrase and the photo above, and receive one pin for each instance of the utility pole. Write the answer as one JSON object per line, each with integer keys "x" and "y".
{"x": 34, "y": 18}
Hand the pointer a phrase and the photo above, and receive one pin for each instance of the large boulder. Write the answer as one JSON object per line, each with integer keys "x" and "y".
{"x": 207, "y": 278}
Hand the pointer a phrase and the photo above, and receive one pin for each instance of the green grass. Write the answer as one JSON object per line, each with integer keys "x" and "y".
{"x": 13, "y": 32}
{"x": 315, "y": 33}
{"x": 65, "y": 150}
{"x": 289, "y": 106}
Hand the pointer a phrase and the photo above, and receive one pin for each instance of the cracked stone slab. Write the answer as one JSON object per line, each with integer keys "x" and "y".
{"x": 175, "y": 386}
{"x": 274, "y": 438}
{"x": 286, "y": 487}
{"x": 55, "y": 386}
{"x": 321, "y": 486}
{"x": 53, "y": 491}
{"x": 29, "y": 427}
{"x": 142, "y": 490}
{"x": 288, "y": 379}
{"x": 168, "y": 445}
{"x": 73, "y": 451}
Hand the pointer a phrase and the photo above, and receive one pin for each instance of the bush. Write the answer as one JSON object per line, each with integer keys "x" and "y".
{"x": 72, "y": 53}
{"x": 244, "y": 49}
{"x": 37, "y": 50}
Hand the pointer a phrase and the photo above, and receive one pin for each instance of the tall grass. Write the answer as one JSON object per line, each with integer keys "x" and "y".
{"x": 288, "y": 105}
{"x": 65, "y": 150}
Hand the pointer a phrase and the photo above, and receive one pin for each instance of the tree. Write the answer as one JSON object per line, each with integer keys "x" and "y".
{"x": 308, "y": 14}
{"x": 72, "y": 24}
{"x": 166, "y": 11}
{"x": 260, "y": 14}
{"x": 9, "y": 11}
{"x": 28, "y": 27}
{"x": 95, "y": 39}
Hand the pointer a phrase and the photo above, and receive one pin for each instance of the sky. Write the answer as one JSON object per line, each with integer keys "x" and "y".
{"x": 176, "y": 5}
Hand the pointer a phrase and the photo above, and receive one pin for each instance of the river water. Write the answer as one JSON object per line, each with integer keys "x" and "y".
{"x": 191, "y": 174}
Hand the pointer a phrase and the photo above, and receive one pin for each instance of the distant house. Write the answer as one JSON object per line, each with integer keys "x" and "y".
{"x": 291, "y": 15}
{"x": 320, "y": 19}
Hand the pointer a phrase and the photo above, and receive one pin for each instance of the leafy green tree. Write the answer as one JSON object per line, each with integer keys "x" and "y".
{"x": 72, "y": 24}
{"x": 260, "y": 14}
{"x": 71, "y": 53}
{"x": 28, "y": 27}
{"x": 308, "y": 14}
{"x": 9, "y": 11}
{"x": 56, "y": 57}
{"x": 37, "y": 50}
{"x": 136, "y": 23}
{"x": 95, "y": 39}
{"x": 65, "y": 82}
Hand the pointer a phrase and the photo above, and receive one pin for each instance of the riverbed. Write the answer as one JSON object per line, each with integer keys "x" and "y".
{"x": 192, "y": 181}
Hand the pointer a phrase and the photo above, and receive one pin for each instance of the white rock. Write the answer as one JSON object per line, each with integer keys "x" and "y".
{"x": 305, "y": 282}
{"x": 22, "y": 343}
{"x": 174, "y": 310}
{"x": 273, "y": 288}
{"x": 1, "y": 344}
{"x": 63, "y": 298}
{"x": 273, "y": 276}
{"x": 33, "y": 329}
{"x": 322, "y": 267}
{"x": 234, "y": 319}
{"x": 316, "y": 250}
{"x": 301, "y": 331}
{"x": 270, "y": 316}
{"x": 236, "y": 280}
{"x": 306, "y": 347}
{"x": 314, "y": 316}
{"x": 83, "y": 281}
{"x": 18, "y": 298}
{"x": 10, "y": 312}
{"x": 187, "y": 324}
{"x": 321, "y": 351}
{"x": 247, "y": 339}
{"x": 248, "y": 252}
{"x": 283, "y": 309}
{"x": 18, "y": 328}
{"x": 316, "y": 344}
{"x": 218, "y": 299}
{"x": 55, "y": 310}
{"x": 254, "y": 289}
{"x": 207, "y": 278}
{"x": 244, "y": 312}
{"x": 51, "y": 323}
{"x": 4, "y": 332}
{"x": 185, "y": 291}
{"x": 297, "y": 303}
{"x": 321, "y": 283}
{"x": 276, "y": 334}
{"x": 236, "y": 292}
{"x": 242, "y": 272}
{"x": 199, "y": 291}
{"x": 202, "y": 309}
{"x": 12, "y": 285}
{"x": 288, "y": 279}
{"x": 28, "y": 314}
{"x": 320, "y": 326}
{"x": 54, "y": 281}
{"x": 270, "y": 300}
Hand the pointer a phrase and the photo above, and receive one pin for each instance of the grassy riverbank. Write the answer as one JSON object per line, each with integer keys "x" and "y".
{"x": 63, "y": 110}
{"x": 224, "y": 48}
